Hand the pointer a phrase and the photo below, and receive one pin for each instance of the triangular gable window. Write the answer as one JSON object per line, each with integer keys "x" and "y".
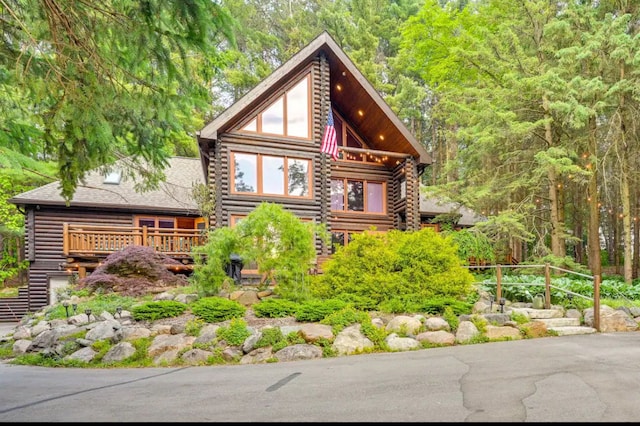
{"x": 289, "y": 115}
{"x": 251, "y": 126}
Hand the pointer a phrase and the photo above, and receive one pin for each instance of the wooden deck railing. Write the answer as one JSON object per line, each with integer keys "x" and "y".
{"x": 90, "y": 240}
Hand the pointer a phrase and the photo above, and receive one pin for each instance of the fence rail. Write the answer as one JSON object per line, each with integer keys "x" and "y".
{"x": 547, "y": 285}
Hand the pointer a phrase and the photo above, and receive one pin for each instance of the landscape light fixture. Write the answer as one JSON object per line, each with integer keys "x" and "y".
{"x": 492, "y": 299}
{"x": 88, "y": 312}
{"x": 75, "y": 308}
{"x": 119, "y": 311}
{"x": 65, "y": 303}
{"x": 502, "y": 302}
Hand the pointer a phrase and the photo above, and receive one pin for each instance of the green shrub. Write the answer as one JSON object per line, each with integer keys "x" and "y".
{"x": 438, "y": 305}
{"x": 451, "y": 318}
{"x": 151, "y": 311}
{"x": 344, "y": 318}
{"x": 480, "y": 322}
{"x": 193, "y": 327}
{"x": 317, "y": 310}
{"x": 519, "y": 318}
{"x": 236, "y": 333}
{"x": 217, "y": 309}
{"x": 384, "y": 266}
{"x": 275, "y": 308}
{"x": 270, "y": 337}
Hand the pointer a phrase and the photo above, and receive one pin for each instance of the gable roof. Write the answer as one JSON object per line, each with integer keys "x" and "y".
{"x": 434, "y": 206}
{"x": 357, "y": 94}
{"x": 173, "y": 195}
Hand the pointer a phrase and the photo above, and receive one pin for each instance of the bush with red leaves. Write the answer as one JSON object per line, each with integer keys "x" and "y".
{"x": 134, "y": 271}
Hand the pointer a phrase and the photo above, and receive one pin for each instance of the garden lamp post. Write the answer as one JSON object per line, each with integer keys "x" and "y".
{"x": 65, "y": 303}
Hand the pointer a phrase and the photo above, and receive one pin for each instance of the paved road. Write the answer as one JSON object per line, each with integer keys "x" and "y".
{"x": 581, "y": 378}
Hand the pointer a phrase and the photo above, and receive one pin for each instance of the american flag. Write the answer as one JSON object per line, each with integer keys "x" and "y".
{"x": 329, "y": 140}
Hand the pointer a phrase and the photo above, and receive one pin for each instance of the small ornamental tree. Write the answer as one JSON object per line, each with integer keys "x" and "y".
{"x": 132, "y": 271}
{"x": 279, "y": 243}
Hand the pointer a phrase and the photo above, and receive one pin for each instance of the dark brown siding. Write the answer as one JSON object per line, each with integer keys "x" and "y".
{"x": 228, "y": 204}
{"x": 47, "y": 244}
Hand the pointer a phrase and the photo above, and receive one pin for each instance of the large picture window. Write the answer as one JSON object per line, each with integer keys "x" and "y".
{"x": 270, "y": 175}
{"x": 354, "y": 195}
{"x": 288, "y": 115}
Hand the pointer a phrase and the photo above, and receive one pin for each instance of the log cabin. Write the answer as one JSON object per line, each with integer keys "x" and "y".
{"x": 264, "y": 147}
{"x": 267, "y": 147}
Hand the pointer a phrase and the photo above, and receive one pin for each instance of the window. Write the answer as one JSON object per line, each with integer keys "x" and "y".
{"x": 403, "y": 189}
{"x": 113, "y": 177}
{"x": 270, "y": 175}
{"x": 156, "y": 222}
{"x": 352, "y": 195}
{"x": 289, "y": 115}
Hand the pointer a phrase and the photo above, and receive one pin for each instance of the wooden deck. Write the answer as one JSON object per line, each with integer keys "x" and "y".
{"x": 97, "y": 241}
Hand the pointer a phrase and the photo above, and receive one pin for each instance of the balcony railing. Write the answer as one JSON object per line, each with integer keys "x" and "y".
{"x": 90, "y": 240}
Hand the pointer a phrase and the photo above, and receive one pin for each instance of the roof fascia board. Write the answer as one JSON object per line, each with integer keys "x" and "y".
{"x": 371, "y": 91}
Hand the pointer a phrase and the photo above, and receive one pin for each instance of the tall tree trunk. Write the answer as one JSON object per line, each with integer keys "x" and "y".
{"x": 625, "y": 193}
{"x": 558, "y": 247}
{"x": 593, "y": 238}
{"x": 452, "y": 153}
{"x": 636, "y": 240}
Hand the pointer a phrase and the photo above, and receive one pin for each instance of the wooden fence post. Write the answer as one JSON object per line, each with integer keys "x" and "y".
{"x": 498, "y": 283}
{"x": 547, "y": 286}
{"x": 596, "y": 302}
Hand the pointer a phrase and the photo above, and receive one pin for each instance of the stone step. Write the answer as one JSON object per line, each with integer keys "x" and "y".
{"x": 539, "y": 313}
{"x": 560, "y": 322}
{"x": 569, "y": 330}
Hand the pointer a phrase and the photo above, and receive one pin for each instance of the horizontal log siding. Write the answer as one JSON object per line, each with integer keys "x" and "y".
{"x": 229, "y": 204}
{"x": 399, "y": 205}
{"x": 12, "y": 309}
{"x": 47, "y": 247}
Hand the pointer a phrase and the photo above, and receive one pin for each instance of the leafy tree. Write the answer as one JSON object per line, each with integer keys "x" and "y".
{"x": 85, "y": 83}
{"x": 279, "y": 243}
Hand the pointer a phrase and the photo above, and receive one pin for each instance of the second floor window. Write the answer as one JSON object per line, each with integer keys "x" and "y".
{"x": 288, "y": 115}
{"x": 352, "y": 195}
{"x": 270, "y": 175}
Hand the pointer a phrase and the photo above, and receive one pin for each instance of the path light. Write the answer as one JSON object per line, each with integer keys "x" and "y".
{"x": 492, "y": 299}
{"x": 119, "y": 311}
{"x": 65, "y": 303}
{"x": 75, "y": 308}
{"x": 88, "y": 312}
{"x": 502, "y": 302}
{"x": 570, "y": 298}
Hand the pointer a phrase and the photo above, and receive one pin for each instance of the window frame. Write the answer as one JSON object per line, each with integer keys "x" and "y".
{"x": 259, "y": 175}
{"x": 285, "y": 122}
{"x": 345, "y": 189}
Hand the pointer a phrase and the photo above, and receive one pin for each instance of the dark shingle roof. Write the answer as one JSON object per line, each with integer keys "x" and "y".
{"x": 434, "y": 206}
{"x": 174, "y": 194}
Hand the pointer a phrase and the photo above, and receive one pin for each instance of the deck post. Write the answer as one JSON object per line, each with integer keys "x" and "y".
{"x": 547, "y": 286}
{"x": 144, "y": 236}
{"x": 65, "y": 238}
